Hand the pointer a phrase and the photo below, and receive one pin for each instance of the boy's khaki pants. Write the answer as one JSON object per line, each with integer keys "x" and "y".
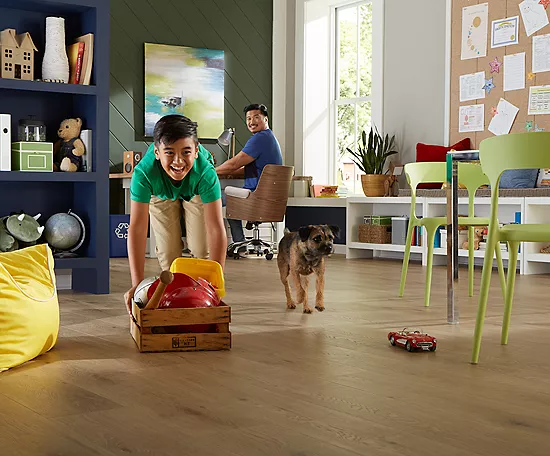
{"x": 165, "y": 221}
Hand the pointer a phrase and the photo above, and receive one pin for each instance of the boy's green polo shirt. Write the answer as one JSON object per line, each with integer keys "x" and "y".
{"x": 149, "y": 179}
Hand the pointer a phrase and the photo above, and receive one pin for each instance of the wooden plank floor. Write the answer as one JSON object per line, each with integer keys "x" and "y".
{"x": 293, "y": 384}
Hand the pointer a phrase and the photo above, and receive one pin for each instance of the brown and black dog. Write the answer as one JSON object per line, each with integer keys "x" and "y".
{"x": 301, "y": 254}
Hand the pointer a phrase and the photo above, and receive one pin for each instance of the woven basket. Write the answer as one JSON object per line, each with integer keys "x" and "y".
{"x": 375, "y": 234}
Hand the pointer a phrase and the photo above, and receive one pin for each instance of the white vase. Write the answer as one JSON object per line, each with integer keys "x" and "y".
{"x": 55, "y": 64}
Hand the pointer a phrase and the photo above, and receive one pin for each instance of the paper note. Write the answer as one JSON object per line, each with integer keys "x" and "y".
{"x": 541, "y": 53}
{"x": 534, "y": 16}
{"x": 504, "y": 32}
{"x": 471, "y": 118}
{"x": 514, "y": 71}
{"x": 539, "y": 100}
{"x": 502, "y": 122}
{"x": 474, "y": 31}
{"x": 471, "y": 86}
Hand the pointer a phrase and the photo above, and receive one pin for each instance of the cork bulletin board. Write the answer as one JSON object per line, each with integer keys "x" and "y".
{"x": 497, "y": 10}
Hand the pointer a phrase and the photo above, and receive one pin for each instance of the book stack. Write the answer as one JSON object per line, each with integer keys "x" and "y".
{"x": 81, "y": 54}
{"x": 417, "y": 236}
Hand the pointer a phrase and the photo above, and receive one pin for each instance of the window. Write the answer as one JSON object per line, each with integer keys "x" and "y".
{"x": 353, "y": 88}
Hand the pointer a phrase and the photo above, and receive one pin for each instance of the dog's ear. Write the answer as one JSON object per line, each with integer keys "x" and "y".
{"x": 304, "y": 232}
{"x": 335, "y": 230}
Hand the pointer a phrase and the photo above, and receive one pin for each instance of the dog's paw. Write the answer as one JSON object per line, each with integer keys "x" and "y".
{"x": 290, "y": 305}
{"x": 320, "y": 308}
{"x": 307, "y": 310}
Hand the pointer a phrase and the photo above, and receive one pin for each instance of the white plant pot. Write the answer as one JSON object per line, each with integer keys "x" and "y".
{"x": 55, "y": 64}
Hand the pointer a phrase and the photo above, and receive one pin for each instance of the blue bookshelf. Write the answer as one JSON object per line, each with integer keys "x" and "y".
{"x": 87, "y": 194}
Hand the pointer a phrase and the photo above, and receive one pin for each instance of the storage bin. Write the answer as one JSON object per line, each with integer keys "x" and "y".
{"x": 118, "y": 235}
{"x": 32, "y": 156}
{"x": 399, "y": 226}
{"x": 382, "y": 220}
{"x": 374, "y": 234}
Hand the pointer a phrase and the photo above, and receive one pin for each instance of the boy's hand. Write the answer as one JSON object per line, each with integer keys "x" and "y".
{"x": 128, "y": 299}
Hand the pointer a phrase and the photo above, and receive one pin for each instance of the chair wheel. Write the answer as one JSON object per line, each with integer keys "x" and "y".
{"x": 269, "y": 256}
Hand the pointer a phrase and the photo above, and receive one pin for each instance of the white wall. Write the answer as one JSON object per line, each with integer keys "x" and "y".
{"x": 282, "y": 120}
{"x": 414, "y": 73}
{"x": 316, "y": 91}
{"x": 414, "y": 78}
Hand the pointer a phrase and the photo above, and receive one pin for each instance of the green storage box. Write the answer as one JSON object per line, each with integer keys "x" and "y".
{"x": 32, "y": 156}
{"x": 379, "y": 220}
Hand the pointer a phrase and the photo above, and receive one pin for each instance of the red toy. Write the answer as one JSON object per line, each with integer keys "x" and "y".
{"x": 186, "y": 292}
{"x": 412, "y": 339}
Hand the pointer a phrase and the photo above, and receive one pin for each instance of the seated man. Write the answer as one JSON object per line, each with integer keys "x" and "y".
{"x": 260, "y": 150}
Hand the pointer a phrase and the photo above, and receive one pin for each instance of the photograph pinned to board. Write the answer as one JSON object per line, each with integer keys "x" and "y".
{"x": 539, "y": 100}
{"x": 534, "y": 16}
{"x": 475, "y": 19}
{"x": 514, "y": 71}
{"x": 471, "y": 86}
{"x": 541, "y": 53}
{"x": 502, "y": 122}
{"x": 471, "y": 118}
{"x": 504, "y": 32}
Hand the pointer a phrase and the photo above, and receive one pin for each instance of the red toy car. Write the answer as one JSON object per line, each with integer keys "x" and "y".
{"x": 412, "y": 339}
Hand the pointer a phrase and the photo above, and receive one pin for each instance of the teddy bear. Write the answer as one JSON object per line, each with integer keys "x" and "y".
{"x": 478, "y": 237}
{"x": 69, "y": 149}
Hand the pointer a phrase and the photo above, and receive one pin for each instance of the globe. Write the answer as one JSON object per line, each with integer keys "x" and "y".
{"x": 62, "y": 231}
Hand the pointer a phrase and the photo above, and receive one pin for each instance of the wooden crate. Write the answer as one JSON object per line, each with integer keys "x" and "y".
{"x": 143, "y": 326}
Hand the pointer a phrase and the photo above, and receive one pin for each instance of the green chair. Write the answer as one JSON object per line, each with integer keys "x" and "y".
{"x": 498, "y": 154}
{"x": 472, "y": 177}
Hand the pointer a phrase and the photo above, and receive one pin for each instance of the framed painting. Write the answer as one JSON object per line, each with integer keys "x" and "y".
{"x": 187, "y": 81}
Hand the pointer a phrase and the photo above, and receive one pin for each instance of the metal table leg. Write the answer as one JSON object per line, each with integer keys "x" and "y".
{"x": 452, "y": 239}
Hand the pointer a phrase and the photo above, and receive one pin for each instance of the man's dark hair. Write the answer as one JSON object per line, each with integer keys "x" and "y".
{"x": 256, "y": 107}
{"x": 173, "y": 127}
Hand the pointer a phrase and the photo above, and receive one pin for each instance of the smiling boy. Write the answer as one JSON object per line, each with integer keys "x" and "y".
{"x": 176, "y": 173}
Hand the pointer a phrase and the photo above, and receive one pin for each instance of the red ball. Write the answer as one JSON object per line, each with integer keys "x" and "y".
{"x": 183, "y": 293}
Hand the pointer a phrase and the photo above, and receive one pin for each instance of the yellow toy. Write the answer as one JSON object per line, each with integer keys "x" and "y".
{"x": 207, "y": 269}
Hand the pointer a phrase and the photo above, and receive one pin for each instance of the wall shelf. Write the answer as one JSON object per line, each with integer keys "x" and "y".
{"x": 22, "y": 176}
{"x": 74, "y": 263}
{"x": 38, "y": 86}
{"x": 383, "y": 247}
{"x": 532, "y": 209}
{"x": 85, "y": 193}
{"x": 539, "y": 257}
{"x": 464, "y": 253}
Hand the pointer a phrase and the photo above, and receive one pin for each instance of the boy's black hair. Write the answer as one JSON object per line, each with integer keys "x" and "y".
{"x": 256, "y": 107}
{"x": 172, "y": 127}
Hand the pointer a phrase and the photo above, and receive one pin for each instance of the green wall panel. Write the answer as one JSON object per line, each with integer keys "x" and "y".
{"x": 242, "y": 28}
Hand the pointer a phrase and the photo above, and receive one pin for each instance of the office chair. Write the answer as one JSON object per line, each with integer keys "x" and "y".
{"x": 265, "y": 204}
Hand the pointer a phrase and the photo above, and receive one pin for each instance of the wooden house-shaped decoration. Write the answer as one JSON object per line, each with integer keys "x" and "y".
{"x": 16, "y": 55}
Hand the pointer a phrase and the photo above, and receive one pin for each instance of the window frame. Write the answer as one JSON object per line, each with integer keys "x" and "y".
{"x": 376, "y": 97}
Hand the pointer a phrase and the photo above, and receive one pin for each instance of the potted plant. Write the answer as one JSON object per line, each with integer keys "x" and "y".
{"x": 371, "y": 158}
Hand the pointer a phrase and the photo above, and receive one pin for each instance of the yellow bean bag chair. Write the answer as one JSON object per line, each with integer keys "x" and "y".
{"x": 29, "y": 310}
